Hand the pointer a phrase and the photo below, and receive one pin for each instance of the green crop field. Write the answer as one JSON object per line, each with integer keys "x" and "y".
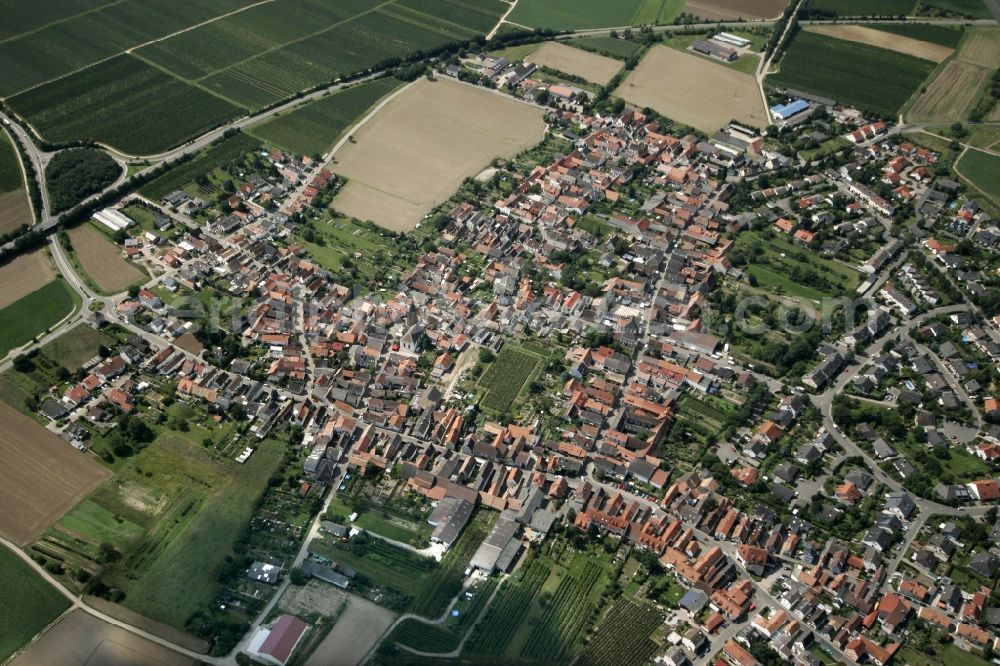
{"x": 871, "y": 78}
{"x": 863, "y": 7}
{"x": 566, "y": 616}
{"x": 612, "y": 47}
{"x": 122, "y": 102}
{"x": 622, "y": 638}
{"x": 314, "y": 127}
{"x": 443, "y": 637}
{"x": 935, "y": 34}
{"x": 582, "y": 14}
{"x": 505, "y": 378}
{"x": 218, "y": 155}
{"x": 981, "y": 170}
{"x": 28, "y": 604}
{"x": 10, "y": 167}
{"x": 71, "y": 38}
{"x": 33, "y": 314}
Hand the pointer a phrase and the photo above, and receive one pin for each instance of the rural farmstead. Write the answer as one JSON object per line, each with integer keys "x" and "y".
{"x": 480, "y": 332}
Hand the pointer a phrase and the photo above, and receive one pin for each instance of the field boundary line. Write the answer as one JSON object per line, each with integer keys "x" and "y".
{"x": 61, "y": 20}
{"x": 129, "y": 51}
{"x": 492, "y": 33}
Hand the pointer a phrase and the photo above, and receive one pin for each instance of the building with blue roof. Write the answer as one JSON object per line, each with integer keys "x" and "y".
{"x": 786, "y": 111}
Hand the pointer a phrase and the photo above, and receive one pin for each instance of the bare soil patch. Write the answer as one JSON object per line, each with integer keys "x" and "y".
{"x": 313, "y": 597}
{"x": 102, "y": 260}
{"x": 14, "y": 211}
{"x": 357, "y": 631}
{"x": 189, "y": 343}
{"x": 84, "y": 640}
{"x": 590, "y": 66}
{"x": 42, "y": 477}
{"x": 693, "y": 90}
{"x": 415, "y": 151}
{"x": 723, "y": 9}
{"x": 951, "y": 94}
{"x": 27, "y": 273}
{"x": 885, "y": 40}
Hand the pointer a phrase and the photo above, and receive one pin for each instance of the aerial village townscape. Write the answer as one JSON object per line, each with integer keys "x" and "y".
{"x": 484, "y": 332}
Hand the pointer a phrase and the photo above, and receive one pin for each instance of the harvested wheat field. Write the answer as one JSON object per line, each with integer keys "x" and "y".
{"x": 590, "y": 66}
{"x": 42, "y": 477}
{"x": 885, "y": 40}
{"x": 952, "y": 93}
{"x": 727, "y": 9}
{"x": 24, "y": 275}
{"x": 357, "y": 631}
{"x": 102, "y": 260}
{"x": 84, "y": 640}
{"x": 415, "y": 151}
{"x": 14, "y": 211}
{"x": 693, "y": 90}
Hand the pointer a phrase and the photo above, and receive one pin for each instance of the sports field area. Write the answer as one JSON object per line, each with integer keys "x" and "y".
{"x": 102, "y": 260}
{"x": 590, "y": 66}
{"x": 415, "y": 152}
{"x": 28, "y": 603}
{"x": 583, "y": 14}
{"x": 694, "y": 91}
{"x": 42, "y": 476}
{"x": 14, "y": 208}
{"x": 873, "y": 79}
{"x": 144, "y": 80}
{"x": 959, "y": 82}
{"x": 314, "y": 127}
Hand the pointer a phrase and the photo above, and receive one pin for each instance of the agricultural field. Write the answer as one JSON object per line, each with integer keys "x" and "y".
{"x": 958, "y": 84}
{"x": 623, "y": 637}
{"x": 358, "y": 628}
{"x": 24, "y": 275}
{"x": 886, "y": 40}
{"x": 583, "y": 14}
{"x": 963, "y": 8}
{"x": 734, "y": 9}
{"x": 80, "y": 638}
{"x": 414, "y": 153}
{"x": 35, "y": 485}
{"x": 590, "y": 66}
{"x": 35, "y": 313}
{"x": 566, "y": 615}
{"x": 944, "y": 35}
{"x": 873, "y": 79}
{"x": 182, "y": 176}
{"x": 122, "y": 102}
{"x": 28, "y": 603}
{"x": 102, "y": 260}
{"x": 444, "y": 637}
{"x": 508, "y": 610}
{"x": 609, "y": 46}
{"x": 506, "y": 377}
{"x": 14, "y": 207}
{"x": 981, "y": 170}
{"x": 65, "y": 36}
{"x": 831, "y": 8}
{"x": 314, "y": 127}
{"x": 691, "y": 90}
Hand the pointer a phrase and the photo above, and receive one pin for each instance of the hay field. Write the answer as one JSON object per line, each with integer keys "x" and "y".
{"x": 952, "y": 93}
{"x": 14, "y": 211}
{"x": 885, "y": 40}
{"x": 693, "y": 90}
{"x": 727, "y": 9}
{"x": 357, "y": 631}
{"x": 956, "y": 87}
{"x": 416, "y": 150}
{"x": 24, "y": 275}
{"x": 591, "y": 66}
{"x": 84, "y": 640}
{"x": 42, "y": 476}
{"x": 102, "y": 261}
